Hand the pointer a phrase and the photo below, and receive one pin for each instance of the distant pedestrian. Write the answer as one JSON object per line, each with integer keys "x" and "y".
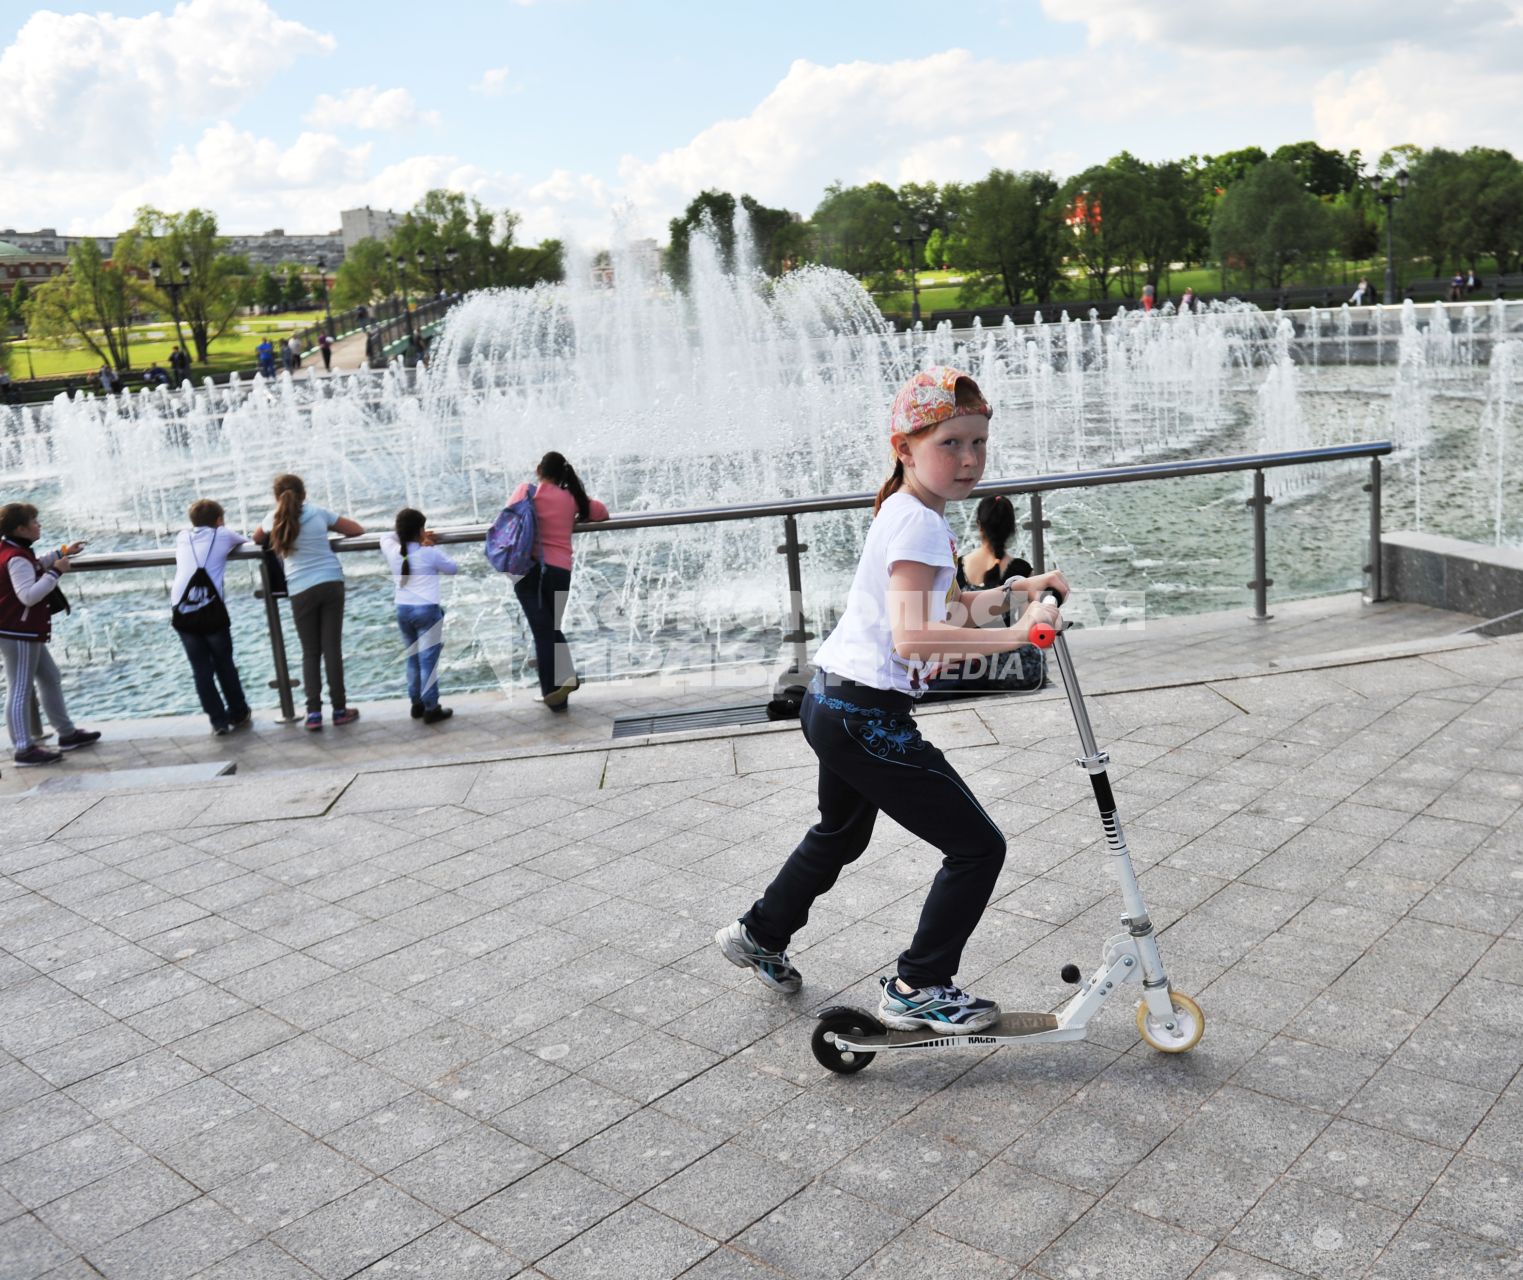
{"x": 416, "y": 563}
{"x": 198, "y": 604}
{"x": 110, "y": 384}
{"x": 154, "y": 376}
{"x": 298, "y": 534}
{"x": 1187, "y": 301}
{"x": 179, "y": 366}
{"x": 1457, "y": 288}
{"x": 325, "y": 345}
{"x": 265, "y": 351}
{"x": 559, "y": 503}
{"x": 1149, "y": 297}
{"x": 1361, "y": 295}
{"x": 29, "y": 595}
{"x": 1472, "y": 281}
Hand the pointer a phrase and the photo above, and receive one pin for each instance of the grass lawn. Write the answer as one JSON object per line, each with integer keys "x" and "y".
{"x": 150, "y": 342}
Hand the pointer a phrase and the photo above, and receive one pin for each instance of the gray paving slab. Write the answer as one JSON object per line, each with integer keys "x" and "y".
{"x": 468, "y": 1019}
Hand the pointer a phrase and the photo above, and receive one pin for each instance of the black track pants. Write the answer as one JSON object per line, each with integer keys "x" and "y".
{"x": 872, "y": 757}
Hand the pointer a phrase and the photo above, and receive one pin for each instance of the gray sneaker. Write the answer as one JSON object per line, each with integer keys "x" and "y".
{"x": 947, "y": 1008}
{"x": 772, "y": 968}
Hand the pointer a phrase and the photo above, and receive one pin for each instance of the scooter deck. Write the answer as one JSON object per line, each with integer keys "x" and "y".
{"x": 1011, "y": 1026}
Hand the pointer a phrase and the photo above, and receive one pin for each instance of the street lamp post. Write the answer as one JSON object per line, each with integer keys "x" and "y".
{"x": 1389, "y": 199}
{"x": 402, "y": 282}
{"x": 911, "y": 241}
{"x": 322, "y": 272}
{"x": 436, "y": 270}
{"x": 172, "y": 288}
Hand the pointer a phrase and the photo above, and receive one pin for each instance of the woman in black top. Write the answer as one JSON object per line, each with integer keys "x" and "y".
{"x": 989, "y": 566}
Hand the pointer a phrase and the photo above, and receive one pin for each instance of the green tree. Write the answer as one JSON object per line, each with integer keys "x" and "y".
{"x": 16, "y": 302}
{"x": 1268, "y": 224}
{"x": 1321, "y": 171}
{"x": 1427, "y": 216}
{"x": 365, "y": 274}
{"x": 1103, "y": 212}
{"x": 293, "y": 287}
{"x": 91, "y": 301}
{"x": 209, "y": 299}
{"x": 1488, "y": 205}
{"x": 853, "y": 229}
{"x": 1153, "y": 217}
{"x": 777, "y": 236}
{"x": 712, "y": 210}
{"x": 523, "y": 266}
{"x": 1007, "y": 234}
{"x": 268, "y": 292}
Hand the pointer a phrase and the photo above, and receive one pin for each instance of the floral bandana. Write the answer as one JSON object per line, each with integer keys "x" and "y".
{"x": 929, "y": 398}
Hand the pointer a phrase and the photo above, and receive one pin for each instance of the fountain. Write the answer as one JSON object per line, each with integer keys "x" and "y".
{"x": 740, "y": 389}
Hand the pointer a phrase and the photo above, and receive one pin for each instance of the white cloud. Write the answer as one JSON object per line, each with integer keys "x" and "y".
{"x": 369, "y": 108}
{"x": 1465, "y": 102}
{"x": 493, "y": 83}
{"x": 1327, "y": 30}
{"x": 102, "y": 88}
{"x": 943, "y": 116}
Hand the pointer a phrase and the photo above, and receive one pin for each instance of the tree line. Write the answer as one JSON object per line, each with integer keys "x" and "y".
{"x": 1260, "y": 216}
{"x": 97, "y": 300}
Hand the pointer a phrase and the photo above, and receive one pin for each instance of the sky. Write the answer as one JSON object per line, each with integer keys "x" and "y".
{"x": 600, "y": 119}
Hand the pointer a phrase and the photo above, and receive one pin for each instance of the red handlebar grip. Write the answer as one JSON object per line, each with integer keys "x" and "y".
{"x": 1042, "y": 635}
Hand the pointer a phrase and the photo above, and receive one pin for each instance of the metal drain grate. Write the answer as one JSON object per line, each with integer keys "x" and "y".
{"x": 678, "y": 721}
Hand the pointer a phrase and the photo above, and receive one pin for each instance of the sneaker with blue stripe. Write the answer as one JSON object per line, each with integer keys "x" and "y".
{"x": 771, "y": 967}
{"x": 949, "y": 1009}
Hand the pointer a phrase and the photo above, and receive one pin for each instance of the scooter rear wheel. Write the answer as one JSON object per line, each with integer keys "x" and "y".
{"x": 1191, "y": 1025}
{"x": 843, "y": 1021}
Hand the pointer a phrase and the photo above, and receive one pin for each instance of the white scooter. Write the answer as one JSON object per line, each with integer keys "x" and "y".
{"x": 846, "y": 1039}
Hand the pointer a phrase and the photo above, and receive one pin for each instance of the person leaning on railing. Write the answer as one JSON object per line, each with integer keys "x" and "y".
{"x": 298, "y": 533}
{"x": 28, "y": 596}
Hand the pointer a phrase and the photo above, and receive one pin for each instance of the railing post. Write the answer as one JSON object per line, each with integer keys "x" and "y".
{"x": 787, "y": 690}
{"x": 1372, "y": 569}
{"x": 282, "y": 682}
{"x": 1038, "y": 543}
{"x": 1261, "y": 579}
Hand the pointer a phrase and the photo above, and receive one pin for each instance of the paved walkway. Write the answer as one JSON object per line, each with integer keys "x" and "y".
{"x": 497, "y": 724}
{"x": 467, "y": 1020}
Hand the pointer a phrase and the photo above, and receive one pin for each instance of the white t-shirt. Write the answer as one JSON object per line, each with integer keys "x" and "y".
{"x": 200, "y": 545}
{"x": 861, "y": 647}
{"x": 424, "y": 565}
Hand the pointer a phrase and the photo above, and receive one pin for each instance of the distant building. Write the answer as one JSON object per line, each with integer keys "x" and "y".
{"x": 643, "y": 255}
{"x": 272, "y": 249}
{"x": 47, "y": 240}
{"x": 367, "y": 224}
{"x": 30, "y": 267}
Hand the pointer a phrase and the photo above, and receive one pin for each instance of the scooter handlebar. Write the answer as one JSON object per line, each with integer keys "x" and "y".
{"x": 1043, "y": 635}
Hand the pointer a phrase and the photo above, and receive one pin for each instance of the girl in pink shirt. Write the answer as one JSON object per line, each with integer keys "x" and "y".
{"x": 559, "y": 503}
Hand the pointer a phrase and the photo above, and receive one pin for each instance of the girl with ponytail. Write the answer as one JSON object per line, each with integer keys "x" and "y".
{"x": 560, "y": 503}
{"x": 416, "y": 563}
{"x": 905, "y": 620}
{"x": 298, "y": 534}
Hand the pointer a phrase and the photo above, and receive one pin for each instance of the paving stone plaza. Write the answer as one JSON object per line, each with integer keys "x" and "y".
{"x": 372, "y": 1017}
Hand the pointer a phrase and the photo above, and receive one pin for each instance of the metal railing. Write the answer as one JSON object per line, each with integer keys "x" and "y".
{"x": 789, "y": 511}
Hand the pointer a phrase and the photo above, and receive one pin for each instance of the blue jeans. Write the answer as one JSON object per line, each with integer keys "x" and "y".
{"x": 211, "y": 662}
{"x": 422, "y": 628}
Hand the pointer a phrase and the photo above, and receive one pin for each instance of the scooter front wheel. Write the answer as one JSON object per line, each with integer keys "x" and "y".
{"x": 1189, "y": 1025}
{"x": 841, "y": 1020}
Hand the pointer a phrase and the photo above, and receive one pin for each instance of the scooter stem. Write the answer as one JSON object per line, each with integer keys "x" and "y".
{"x": 1094, "y": 762}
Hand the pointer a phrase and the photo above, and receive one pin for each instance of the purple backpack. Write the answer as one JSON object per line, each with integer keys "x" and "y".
{"x": 510, "y": 540}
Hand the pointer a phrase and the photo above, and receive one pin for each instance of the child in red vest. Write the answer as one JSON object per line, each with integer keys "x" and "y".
{"x": 27, "y": 580}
